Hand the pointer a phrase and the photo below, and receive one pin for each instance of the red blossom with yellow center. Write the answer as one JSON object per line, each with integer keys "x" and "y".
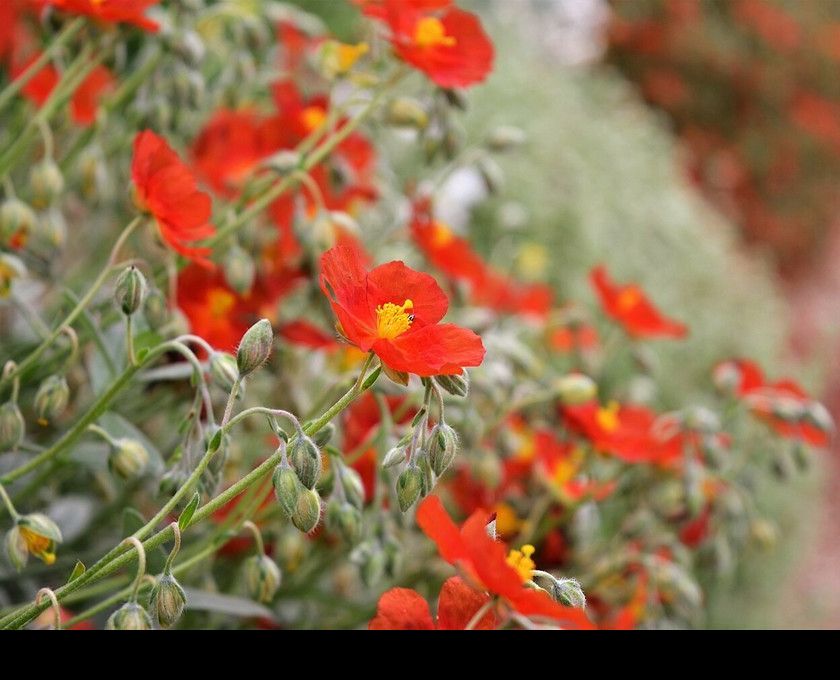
{"x": 394, "y": 311}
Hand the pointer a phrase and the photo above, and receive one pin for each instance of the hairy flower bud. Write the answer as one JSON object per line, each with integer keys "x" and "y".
{"x": 128, "y": 458}
{"x": 11, "y": 268}
{"x": 394, "y": 457}
{"x": 239, "y": 269}
{"x": 323, "y": 436}
{"x": 307, "y": 511}
{"x": 156, "y": 309}
{"x": 12, "y": 426}
{"x": 287, "y": 488}
{"x": 130, "y": 290}
{"x": 443, "y": 448}
{"x": 223, "y": 370}
{"x": 305, "y": 457}
{"x": 17, "y": 220}
{"x": 255, "y": 347}
{"x": 169, "y": 600}
{"x": 409, "y": 485}
{"x": 457, "y": 385}
{"x": 46, "y": 182}
{"x": 568, "y": 591}
{"x": 262, "y": 578}
{"x": 131, "y": 616}
{"x": 406, "y": 112}
{"x": 505, "y": 138}
{"x": 353, "y": 486}
{"x": 51, "y": 398}
{"x": 575, "y": 388}
{"x": 344, "y": 519}
{"x": 372, "y": 562}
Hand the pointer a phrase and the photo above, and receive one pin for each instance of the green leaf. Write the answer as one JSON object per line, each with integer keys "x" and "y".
{"x": 189, "y": 511}
{"x": 216, "y": 441}
{"x": 202, "y": 600}
{"x": 78, "y": 570}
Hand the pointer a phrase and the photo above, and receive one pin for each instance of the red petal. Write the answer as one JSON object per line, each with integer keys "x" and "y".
{"x": 442, "y": 349}
{"x": 436, "y": 523}
{"x": 396, "y": 283}
{"x": 402, "y": 609}
{"x": 459, "y": 603}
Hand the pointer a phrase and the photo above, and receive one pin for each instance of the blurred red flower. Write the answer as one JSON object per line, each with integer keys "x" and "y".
{"x": 630, "y": 307}
{"x": 111, "y": 11}
{"x": 394, "y": 312}
{"x": 167, "y": 189}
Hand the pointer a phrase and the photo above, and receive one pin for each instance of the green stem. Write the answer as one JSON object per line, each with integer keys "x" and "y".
{"x": 8, "y": 503}
{"x": 129, "y": 341}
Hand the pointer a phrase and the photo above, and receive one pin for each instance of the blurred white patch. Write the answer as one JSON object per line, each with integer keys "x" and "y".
{"x": 460, "y": 192}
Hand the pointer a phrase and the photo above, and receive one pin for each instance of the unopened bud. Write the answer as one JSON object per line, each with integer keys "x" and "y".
{"x": 457, "y": 385}
{"x": 11, "y": 268}
{"x": 12, "y": 426}
{"x": 255, "y": 347}
{"x": 169, "y": 600}
{"x": 443, "y": 448}
{"x": 344, "y": 519}
{"x": 307, "y": 511}
{"x": 239, "y": 269}
{"x": 576, "y": 388}
{"x": 262, "y": 578}
{"x": 128, "y": 458}
{"x": 223, "y": 370}
{"x": 189, "y": 46}
{"x": 354, "y": 488}
{"x": 409, "y": 486}
{"x": 156, "y": 309}
{"x": 130, "y": 290}
{"x": 407, "y": 112}
{"x": 817, "y": 415}
{"x": 283, "y": 162}
{"x": 50, "y": 231}
{"x": 505, "y": 138}
{"x": 51, "y": 399}
{"x": 372, "y": 562}
{"x": 567, "y": 591}
{"x": 17, "y": 221}
{"x": 727, "y": 377}
{"x": 394, "y": 457}
{"x": 764, "y": 533}
{"x": 46, "y": 182}
{"x": 323, "y": 436}
{"x": 492, "y": 174}
{"x": 131, "y": 616}
{"x": 287, "y": 488}
{"x": 305, "y": 458}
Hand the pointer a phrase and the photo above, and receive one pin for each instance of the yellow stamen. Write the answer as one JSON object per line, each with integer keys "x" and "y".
{"x": 607, "y": 417}
{"x": 312, "y": 117}
{"x": 442, "y": 234}
{"x": 393, "y": 320}
{"x": 38, "y": 545}
{"x": 521, "y": 561}
{"x": 348, "y": 55}
{"x": 430, "y": 32}
{"x": 220, "y": 302}
{"x": 628, "y": 298}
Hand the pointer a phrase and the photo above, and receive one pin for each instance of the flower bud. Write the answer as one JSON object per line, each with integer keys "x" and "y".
{"x": 336, "y": 58}
{"x": 817, "y": 415}
{"x": 568, "y": 592}
{"x": 764, "y": 533}
{"x": 394, "y": 457}
{"x": 46, "y": 181}
{"x": 239, "y": 269}
{"x": 287, "y": 488}
{"x": 189, "y": 46}
{"x": 576, "y": 388}
{"x": 16, "y": 550}
{"x": 130, "y": 290}
{"x": 305, "y": 458}
{"x": 262, "y": 578}
{"x": 38, "y": 535}
{"x": 457, "y": 385}
{"x": 372, "y": 562}
{"x": 12, "y": 426}
{"x": 344, "y": 519}
{"x": 701, "y": 419}
{"x": 353, "y": 486}
{"x": 409, "y": 485}
{"x": 131, "y": 616}
{"x": 128, "y": 458}
{"x": 156, "y": 309}
{"x": 307, "y": 511}
{"x": 283, "y": 162}
{"x": 50, "y": 231}
{"x": 223, "y": 370}
{"x": 169, "y": 600}
{"x": 492, "y": 174}
{"x": 505, "y": 138}
{"x": 406, "y": 112}
{"x": 727, "y": 377}
{"x": 93, "y": 173}
{"x": 443, "y": 448}
{"x": 255, "y": 347}
{"x": 17, "y": 220}
{"x": 51, "y": 399}
{"x": 11, "y": 268}
{"x": 323, "y": 436}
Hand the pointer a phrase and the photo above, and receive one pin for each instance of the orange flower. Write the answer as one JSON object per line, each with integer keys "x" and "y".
{"x": 394, "y": 312}
{"x": 166, "y": 188}
{"x": 630, "y": 307}
{"x": 446, "y": 43}
{"x": 483, "y": 562}
{"x": 458, "y": 604}
{"x": 111, "y": 11}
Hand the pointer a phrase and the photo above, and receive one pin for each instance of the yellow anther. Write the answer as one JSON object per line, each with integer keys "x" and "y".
{"x": 608, "y": 416}
{"x": 521, "y": 561}
{"x": 38, "y": 545}
{"x": 220, "y": 302}
{"x": 430, "y": 32}
{"x": 393, "y": 320}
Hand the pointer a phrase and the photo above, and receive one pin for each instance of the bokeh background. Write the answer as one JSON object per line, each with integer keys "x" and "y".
{"x": 694, "y": 146}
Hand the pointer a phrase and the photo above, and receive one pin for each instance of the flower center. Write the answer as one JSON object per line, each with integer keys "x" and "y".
{"x": 521, "y": 561}
{"x": 220, "y": 302}
{"x": 629, "y": 298}
{"x": 393, "y": 320}
{"x": 607, "y": 417}
{"x": 312, "y": 117}
{"x": 430, "y": 32}
{"x": 441, "y": 234}
{"x": 38, "y": 545}
{"x": 348, "y": 55}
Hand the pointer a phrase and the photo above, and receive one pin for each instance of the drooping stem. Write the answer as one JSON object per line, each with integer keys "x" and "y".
{"x": 141, "y": 565}
{"x": 257, "y": 534}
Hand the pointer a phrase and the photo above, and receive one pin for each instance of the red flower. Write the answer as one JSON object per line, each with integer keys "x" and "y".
{"x": 484, "y": 563}
{"x": 458, "y": 604}
{"x": 301, "y": 332}
{"x": 394, "y": 312}
{"x": 167, "y": 189}
{"x": 630, "y": 307}
{"x": 111, "y": 11}
{"x": 449, "y": 46}
{"x": 560, "y": 464}
{"x": 378, "y": 8}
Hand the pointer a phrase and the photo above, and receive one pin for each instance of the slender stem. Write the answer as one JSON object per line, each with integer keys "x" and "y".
{"x": 476, "y": 618}
{"x": 365, "y": 366}
{"x": 176, "y": 530}
{"x": 54, "y": 601}
{"x": 33, "y": 357}
{"x": 231, "y": 400}
{"x": 141, "y": 565}
{"x": 8, "y": 503}
{"x": 102, "y": 433}
{"x": 13, "y": 89}
{"x": 129, "y": 341}
{"x": 257, "y": 534}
